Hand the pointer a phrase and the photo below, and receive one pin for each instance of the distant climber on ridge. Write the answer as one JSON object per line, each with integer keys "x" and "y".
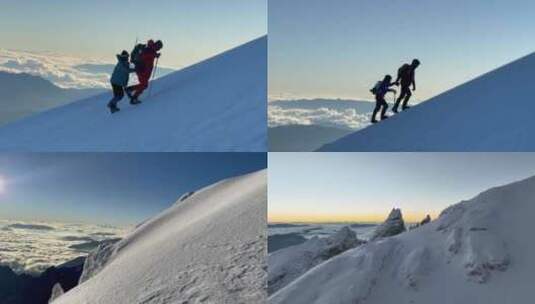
{"x": 119, "y": 80}
{"x": 143, "y": 57}
{"x": 406, "y": 79}
{"x": 379, "y": 90}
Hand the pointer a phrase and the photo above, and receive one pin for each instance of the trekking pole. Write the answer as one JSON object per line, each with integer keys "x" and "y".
{"x": 154, "y": 71}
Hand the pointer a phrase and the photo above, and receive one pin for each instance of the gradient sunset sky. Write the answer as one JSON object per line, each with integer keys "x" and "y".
{"x": 109, "y": 188}
{"x": 340, "y": 48}
{"x": 364, "y": 187}
{"x": 191, "y": 30}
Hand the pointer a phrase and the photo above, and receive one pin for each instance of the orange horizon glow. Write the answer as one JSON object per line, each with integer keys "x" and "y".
{"x": 344, "y": 218}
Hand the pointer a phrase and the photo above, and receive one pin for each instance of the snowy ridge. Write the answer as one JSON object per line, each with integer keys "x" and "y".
{"x": 210, "y": 248}
{"x": 287, "y": 264}
{"x": 477, "y": 251}
{"x": 215, "y": 105}
{"x": 490, "y": 113}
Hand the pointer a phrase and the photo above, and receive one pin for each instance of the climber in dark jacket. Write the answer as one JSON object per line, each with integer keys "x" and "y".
{"x": 380, "y": 90}
{"x": 406, "y": 79}
{"x": 119, "y": 80}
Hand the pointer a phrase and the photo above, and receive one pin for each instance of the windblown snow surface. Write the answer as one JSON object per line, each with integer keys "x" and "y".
{"x": 493, "y": 112}
{"x": 209, "y": 248}
{"x": 287, "y": 264}
{"x": 477, "y": 251}
{"x": 216, "y": 105}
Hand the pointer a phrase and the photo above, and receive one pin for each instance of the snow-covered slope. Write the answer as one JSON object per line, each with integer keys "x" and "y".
{"x": 477, "y": 251}
{"x": 287, "y": 264}
{"x": 491, "y": 113}
{"x": 216, "y": 105}
{"x": 209, "y": 248}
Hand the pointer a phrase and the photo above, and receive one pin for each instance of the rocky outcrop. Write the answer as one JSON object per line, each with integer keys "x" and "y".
{"x": 97, "y": 259}
{"x": 426, "y": 220}
{"x": 185, "y": 196}
{"x": 56, "y": 292}
{"x": 393, "y": 225}
{"x": 287, "y": 264}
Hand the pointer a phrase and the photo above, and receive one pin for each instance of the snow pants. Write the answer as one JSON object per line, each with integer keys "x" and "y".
{"x": 143, "y": 77}
{"x": 118, "y": 94}
{"x": 404, "y": 95}
{"x": 380, "y": 104}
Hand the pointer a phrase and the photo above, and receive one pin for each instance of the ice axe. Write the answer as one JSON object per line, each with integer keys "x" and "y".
{"x": 154, "y": 71}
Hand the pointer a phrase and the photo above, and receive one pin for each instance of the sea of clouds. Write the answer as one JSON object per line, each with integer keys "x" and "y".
{"x": 62, "y": 70}
{"x": 344, "y": 119}
{"x": 343, "y": 114}
{"x": 32, "y": 247}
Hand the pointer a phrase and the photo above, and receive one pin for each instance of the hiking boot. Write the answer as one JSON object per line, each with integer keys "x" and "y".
{"x": 384, "y": 117}
{"x": 405, "y": 108}
{"x": 395, "y": 110}
{"x": 135, "y": 101}
{"x": 113, "y": 108}
{"x": 374, "y": 121}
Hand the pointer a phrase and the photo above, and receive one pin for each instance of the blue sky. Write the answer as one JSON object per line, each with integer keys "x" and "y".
{"x": 111, "y": 188}
{"x": 340, "y": 48}
{"x": 366, "y": 186}
{"x": 191, "y": 30}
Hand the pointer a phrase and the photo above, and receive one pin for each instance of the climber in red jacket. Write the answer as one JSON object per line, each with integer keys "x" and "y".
{"x": 144, "y": 64}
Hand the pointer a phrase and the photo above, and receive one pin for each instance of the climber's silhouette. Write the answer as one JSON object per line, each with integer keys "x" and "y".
{"x": 380, "y": 89}
{"x": 405, "y": 79}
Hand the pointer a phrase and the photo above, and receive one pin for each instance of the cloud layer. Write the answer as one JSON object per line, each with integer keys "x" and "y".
{"x": 63, "y": 71}
{"x": 351, "y": 115}
{"x": 26, "y": 247}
